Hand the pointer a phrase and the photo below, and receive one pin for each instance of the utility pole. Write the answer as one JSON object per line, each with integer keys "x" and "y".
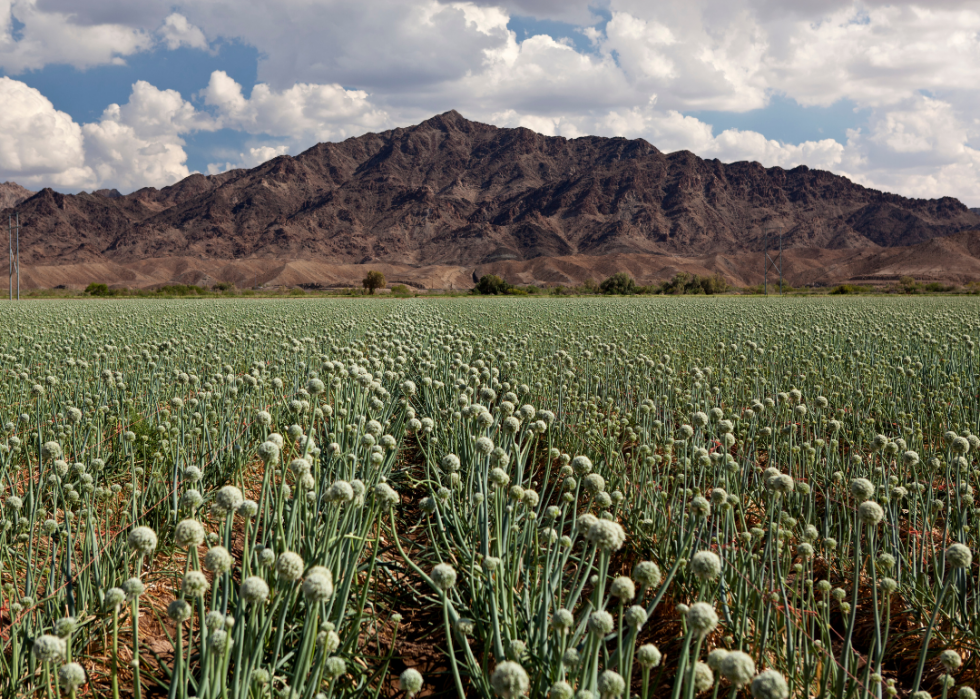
{"x": 10, "y": 260}
{"x": 768, "y": 261}
{"x": 17, "y": 230}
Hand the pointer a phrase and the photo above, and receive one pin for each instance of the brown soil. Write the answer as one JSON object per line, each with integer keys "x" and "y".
{"x": 955, "y": 259}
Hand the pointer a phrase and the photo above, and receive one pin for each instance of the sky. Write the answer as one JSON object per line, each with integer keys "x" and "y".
{"x": 123, "y": 94}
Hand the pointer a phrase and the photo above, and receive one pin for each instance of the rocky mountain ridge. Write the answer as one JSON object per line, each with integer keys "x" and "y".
{"x": 12, "y": 194}
{"x": 450, "y": 191}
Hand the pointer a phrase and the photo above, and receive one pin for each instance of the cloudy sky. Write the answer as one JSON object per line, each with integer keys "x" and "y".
{"x": 117, "y": 93}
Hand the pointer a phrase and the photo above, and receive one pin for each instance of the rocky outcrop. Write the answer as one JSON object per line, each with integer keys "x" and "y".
{"x": 454, "y": 192}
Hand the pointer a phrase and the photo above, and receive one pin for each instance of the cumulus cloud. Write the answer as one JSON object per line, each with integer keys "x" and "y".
{"x": 923, "y": 145}
{"x": 139, "y": 143}
{"x": 304, "y": 113}
{"x": 331, "y": 69}
{"x": 177, "y": 31}
{"x": 37, "y": 142}
{"x": 673, "y": 131}
{"x": 253, "y": 157}
{"x": 132, "y": 145}
{"x": 31, "y": 38}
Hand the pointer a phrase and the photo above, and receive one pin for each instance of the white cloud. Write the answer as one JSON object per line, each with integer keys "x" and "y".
{"x": 35, "y": 138}
{"x": 734, "y": 145}
{"x": 573, "y": 11}
{"x": 879, "y": 56}
{"x": 921, "y": 147}
{"x": 177, "y": 31}
{"x": 132, "y": 145}
{"x": 330, "y": 69}
{"x": 46, "y": 37}
{"x": 304, "y": 113}
{"x": 139, "y": 143}
{"x": 254, "y": 157}
{"x": 672, "y": 131}
{"x": 121, "y": 158}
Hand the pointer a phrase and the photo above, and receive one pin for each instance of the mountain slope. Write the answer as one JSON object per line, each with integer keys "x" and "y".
{"x": 12, "y": 194}
{"x": 455, "y": 192}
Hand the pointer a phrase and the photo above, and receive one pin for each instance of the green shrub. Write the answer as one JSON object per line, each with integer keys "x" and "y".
{"x": 491, "y": 284}
{"x": 619, "y": 283}
{"x": 685, "y": 283}
{"x": 373, "y": 280}
{"x": 180, "y": 290}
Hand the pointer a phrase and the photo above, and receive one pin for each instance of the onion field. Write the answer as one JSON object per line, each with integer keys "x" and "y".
{"x": 563, "y": 498}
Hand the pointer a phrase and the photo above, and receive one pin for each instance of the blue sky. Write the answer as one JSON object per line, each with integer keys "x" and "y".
{"x": 113, "y": 94}
{"x": 84, "y": 93}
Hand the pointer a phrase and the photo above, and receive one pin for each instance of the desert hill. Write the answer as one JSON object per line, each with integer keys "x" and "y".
{"x": 437, "y": 202}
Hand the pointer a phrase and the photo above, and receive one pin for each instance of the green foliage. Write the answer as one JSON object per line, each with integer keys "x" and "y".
{"x": 96, "y": 289}
{"x": 491, "y": 285}
{"x": 373, "y": 280}
{"x": 401, "y": 291}
{"x": 849, "y": 289}
{"x": 181, "y": 290}
{"x": 620, "y": 283}
{"x": 534, "y": 480}
{"x": 686, "y": 283}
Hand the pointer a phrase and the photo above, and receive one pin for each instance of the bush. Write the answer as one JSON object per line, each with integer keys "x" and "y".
{"x": 223, "y": 287}
{"x": 619, "y": 283}
{"x": 181, "y": 290}
{"x": 684, "y": 283}
{"x": 400, "y": 290}
{"x": 373, "y": 280}
{"x": 491, "y": 284}
{"x": 714, "y": 284}
{"x": 95, "y": 289}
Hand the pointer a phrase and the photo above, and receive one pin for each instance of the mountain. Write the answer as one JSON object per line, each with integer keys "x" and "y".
{"x": 12, "y": 194}
{"x": 455, "y": 193}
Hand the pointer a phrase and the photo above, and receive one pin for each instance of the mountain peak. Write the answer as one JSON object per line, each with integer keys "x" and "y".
{"x": 478, "y": 194}
{"x": 451, "y": 120}
{"x": 12, "y": 194}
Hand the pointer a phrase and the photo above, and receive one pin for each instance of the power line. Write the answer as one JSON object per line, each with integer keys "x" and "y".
{"x": 768, "y": 261}
{"x": 13, "y": 258}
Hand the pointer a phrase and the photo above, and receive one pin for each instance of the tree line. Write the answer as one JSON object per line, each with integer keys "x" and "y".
{"x": 619, "y": 284}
